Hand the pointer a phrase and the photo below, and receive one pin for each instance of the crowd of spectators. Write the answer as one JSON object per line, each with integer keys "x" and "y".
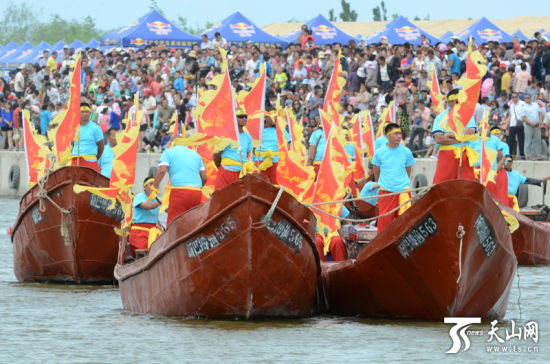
{"x": 515, "y": 91}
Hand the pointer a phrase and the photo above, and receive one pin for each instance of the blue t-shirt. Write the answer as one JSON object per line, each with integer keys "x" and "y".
{"x": 235, "y": 155}
{"x": 392, "y": 163}
{"x": 368, "y": 192}
{"x": 142, "y": 215}
{"x": 514, "y": 180}
{"x": 88, "y": 137}
{"x": 493, "y": 143}
{"x": 315, "y": 136}
{"x": 106, "y": 161}
{"x": 184, "y": 166}
{"x": 505, "y": 148}
{"x": 45, "y": 119}
{"x": 6, "y": 115}
{"x": 438, "y": 128}
{"x": 269, "y": 142}
{"x": 380, "y": 142}
{"x": 457, "y": 63}
{"x": 350, "y": 151}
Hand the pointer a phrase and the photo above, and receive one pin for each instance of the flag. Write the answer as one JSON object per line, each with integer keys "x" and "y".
{"x": 335, "y": 86}
{"x": 296, "y": 134}
{"x": 488, "y": 156}
{"x": 367, "y": 133}
{"x": 476, "y": 65}
{"x": 435, "y": 94}
{"x": 205, "y": 151}
{"x": 292, "y": 173}
{"x": 217, "y": 113}
{"x": 36, "y": 152}
{"x": 67, "y": 121}
{"x": 253, "y": 101}
{"x": 358, "y": 145}
{"x": 330, "y": 186}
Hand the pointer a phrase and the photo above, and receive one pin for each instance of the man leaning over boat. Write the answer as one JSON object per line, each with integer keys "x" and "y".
{"x": 145, "y": 216}
{"x": 514, "y": 180}
{"x": 187, "y": 176}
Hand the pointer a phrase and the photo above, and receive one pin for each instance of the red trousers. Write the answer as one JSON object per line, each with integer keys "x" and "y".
{"x": 502, "y": 185}
{"x": 386, "y": 204}
{"x": 271, "y": 173}
{"x": 182, "y": 200}
{"x": 225, "y": 177}
{"x": 447, "y": 167}
{"x": 84, "y": 163}
{"x": 138, "y": 237}
{"x": 337, "y": 249}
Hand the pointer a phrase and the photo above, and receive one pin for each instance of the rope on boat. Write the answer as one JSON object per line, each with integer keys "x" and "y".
{"x": 420, "y": 190}
{"x": 460, "y": 234}
{"x": 273, "y": 205}
{"x": 314, "y": 206}
{"x": 43, "y": 195}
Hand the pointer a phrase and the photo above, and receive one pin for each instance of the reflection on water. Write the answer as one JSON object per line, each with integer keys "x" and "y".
{"x": 69, "y": 323}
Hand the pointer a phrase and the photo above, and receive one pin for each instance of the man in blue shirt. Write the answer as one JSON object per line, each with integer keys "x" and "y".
{"x": 88, "y": 143}
{"x": 514, "y": 180}
{"x": 231, "y": 160}
{"x": 187, "y": 176}
{"x": 392, "y": 168}
{"x": 106, "y": 160}
{"x": 316, "y": 151}
{"x": 269, "y": 149}
{"x": 145, "y": 216}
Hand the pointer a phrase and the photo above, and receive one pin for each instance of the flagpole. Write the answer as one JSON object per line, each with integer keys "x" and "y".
{"x": 460, "y": 163}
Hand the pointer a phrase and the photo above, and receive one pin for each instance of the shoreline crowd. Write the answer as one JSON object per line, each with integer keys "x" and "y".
{"x": 515, "y": 91}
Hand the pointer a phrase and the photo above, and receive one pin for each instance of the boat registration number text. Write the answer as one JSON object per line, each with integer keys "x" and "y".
{"x": 417, "y": 236}
{"x": 286, "y": 233}
{"x": 485, "y": 235}
{"x": 204, "y": 243}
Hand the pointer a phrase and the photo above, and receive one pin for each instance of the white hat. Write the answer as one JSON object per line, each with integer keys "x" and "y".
{"x": 361, "y": 72}
{"x": 22, "y": 66}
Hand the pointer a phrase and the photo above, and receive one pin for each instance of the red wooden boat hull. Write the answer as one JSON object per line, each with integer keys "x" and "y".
{"x": 411, "y": 270}
{"x": 220, "y": 260}
{"x": 531, "y": 240}
{"x": 88, "y": 254}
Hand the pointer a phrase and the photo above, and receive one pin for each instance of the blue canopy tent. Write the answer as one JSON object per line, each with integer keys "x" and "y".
{"x": 520, "y": 35}
{"x": 6, "y": 59}
{"x": 400, "y": 31}
{"x": 237, "y": 29}
{"x": 324, "y": 32}
{"x": 484, "y": 31}
{"x": 10, "y": 47}
{"x": 57, "y": 46}
{"x": 33, "y": 56}
{"x": 76, "y": 45}
{"x": 545, "y": 33}
{"x": 152, "y": 28}
{"x": 93, "y": 44}
{"x": 446, "y": 38}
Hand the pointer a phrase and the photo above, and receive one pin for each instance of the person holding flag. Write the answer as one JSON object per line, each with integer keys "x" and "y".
{"x": 88, "y": 143}
{"x": 316, "y": 151}
{"x": 392, "y": 169}
{"x": 515, "y": 179}
{"x": 268, "y": 153}
{"x": 187, "y": 176}
{"x": 144, "y": 217}
{"x": 107, "y": 157}
{"x": 233, "y": 160}
{"x": 452, "y": 153}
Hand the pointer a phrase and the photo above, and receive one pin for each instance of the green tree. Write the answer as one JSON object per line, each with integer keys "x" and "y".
{"x": 17, "y": 23}
{"x": 417, "y": 18}
{"x": 181, "y": 23}
{"x": 427, "y": 17}
{"x": 394, "y": 16}
{"x": 153, "y": 5}
{"x": 331, "y": 15}
{"x": 347, "y": 14}
{"x": 67, "y": 30}
{"x": 380, "y": 12}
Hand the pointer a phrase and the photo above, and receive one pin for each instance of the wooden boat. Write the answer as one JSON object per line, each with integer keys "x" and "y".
{"x": 78, "y": 247}
{"x": 221, "y": 259}
{"x": 419, "y": 268}
{"x": 531, "y": 240}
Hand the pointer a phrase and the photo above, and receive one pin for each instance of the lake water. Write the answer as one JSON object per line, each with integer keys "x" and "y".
{"x": 77, "y": 324}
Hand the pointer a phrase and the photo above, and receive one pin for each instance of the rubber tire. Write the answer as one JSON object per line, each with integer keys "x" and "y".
{"x": 152, "y": 171}
{"x": 523, "y": 195}
{"x": 419, "y": 181}
{"x": 14, "y": 176}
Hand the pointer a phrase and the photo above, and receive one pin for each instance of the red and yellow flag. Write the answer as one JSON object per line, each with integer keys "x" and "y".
{"x": 68, "y": 121}
{"x": 36, "y": 151}
{"x": 358, "y": 145}
{"x": 296, "y": 134}
{"x": 253, "y": 101}
{"x": 335, "y": 86}
{"x": 488, "y": 156}
{"x": 330, "y": 186}
{"x": 292, "y": 173}
{"x": 367, "y": 133}
{"x": 435, "y": 94}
